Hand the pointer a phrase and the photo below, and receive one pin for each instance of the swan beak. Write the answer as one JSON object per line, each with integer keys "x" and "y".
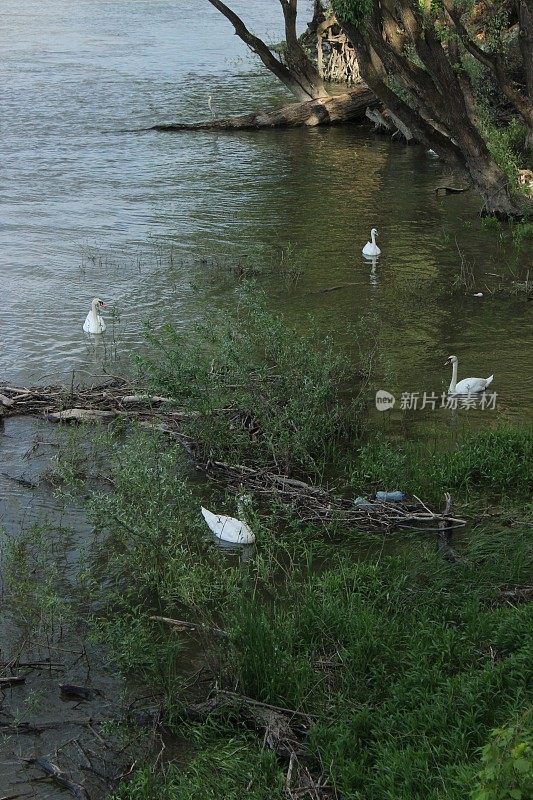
{"x": 103, "y": 305}
{"x": 448, "y": 361}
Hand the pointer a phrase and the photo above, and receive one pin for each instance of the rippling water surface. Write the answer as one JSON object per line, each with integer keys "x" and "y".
{"x": 91, "y": 209}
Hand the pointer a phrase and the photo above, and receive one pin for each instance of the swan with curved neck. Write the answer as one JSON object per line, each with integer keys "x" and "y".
{"x": 467, "y": 385}
{"x": 371, "y": 249}
{"x": 93, "y": 321}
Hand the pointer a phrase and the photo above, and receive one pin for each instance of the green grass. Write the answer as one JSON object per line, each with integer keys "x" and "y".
{"x": 408, "y": 662}
{"x": 224, "y": 769}
{"x": 496, "y": 463}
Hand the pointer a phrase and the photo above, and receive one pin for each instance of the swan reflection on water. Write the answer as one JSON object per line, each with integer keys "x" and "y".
{"x": 374, "y": 277}
{"x": 245, "y": 552}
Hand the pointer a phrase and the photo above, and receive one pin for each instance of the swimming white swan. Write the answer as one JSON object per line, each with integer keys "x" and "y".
{"x": 93, "y": 321}
{"x": 228, "y": 529}
{"x": 467, "y": 385}
{"x": 371, "y": 249}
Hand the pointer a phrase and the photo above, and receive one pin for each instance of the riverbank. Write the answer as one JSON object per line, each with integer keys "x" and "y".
{"x": 326, "y": 659}
{"x": 355, "y": 664}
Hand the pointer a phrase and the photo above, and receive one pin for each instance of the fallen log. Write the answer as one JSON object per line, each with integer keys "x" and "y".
{"x": 81, "y": 415}
{"x": 76, "y": 790}
{"x": 328, "y": 110}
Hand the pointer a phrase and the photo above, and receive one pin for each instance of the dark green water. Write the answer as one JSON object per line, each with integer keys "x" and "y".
{"x": 89, "y": 210}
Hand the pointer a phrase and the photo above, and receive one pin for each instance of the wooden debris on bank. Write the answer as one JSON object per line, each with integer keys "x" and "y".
{"x": 284, "y": 730}
{"x": 76, "y": 790}
{"x": 310, "y": 503}
{"x": 97, "y": 403}
{"x": 81, "y": 415}
{"x": 317, "y": 505}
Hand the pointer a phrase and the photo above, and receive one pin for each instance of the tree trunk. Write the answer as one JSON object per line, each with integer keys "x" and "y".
{"x": 296, "y": 59}
{"x": 299, "y": 75}
{"x": 334, "y": 110}
{"x": 440, "y": 110}
{"x": 493, "y": 186}
{"x": 525, "y": 41}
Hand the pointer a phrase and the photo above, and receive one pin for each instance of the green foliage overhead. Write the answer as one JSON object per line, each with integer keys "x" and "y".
{"x": 355, "y": 11}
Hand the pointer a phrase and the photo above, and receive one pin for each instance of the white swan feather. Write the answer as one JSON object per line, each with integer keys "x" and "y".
{"x": 228, "y": 529}
{"x": 467, "y": 385}
{"x": 371, "y": 249}
{"x": 94, "y": 323}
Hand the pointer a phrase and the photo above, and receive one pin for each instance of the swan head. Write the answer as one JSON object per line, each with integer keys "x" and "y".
{"x": 451, "y": 360}
{"x": 374, "y": 232}
{"x": 97, "y": 304}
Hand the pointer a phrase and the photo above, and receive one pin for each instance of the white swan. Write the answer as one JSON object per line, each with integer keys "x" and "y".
{"x": 228, "y": 529}
{"x": 93, "y": 321}
{"x": 467, "y": 385}
{"x": 371, "y": 249}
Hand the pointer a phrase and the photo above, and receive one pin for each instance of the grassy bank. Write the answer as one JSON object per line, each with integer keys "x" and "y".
{"x": 402, "y": 663}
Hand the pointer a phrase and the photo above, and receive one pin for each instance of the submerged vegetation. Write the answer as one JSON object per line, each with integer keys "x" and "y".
{"x": 387, "y": 670}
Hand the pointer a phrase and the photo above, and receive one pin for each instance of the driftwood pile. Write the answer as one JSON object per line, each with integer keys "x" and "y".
{"x": 311, "y": 504}
{"x": 52, "y": 401}
{"x": 317, "y": 505}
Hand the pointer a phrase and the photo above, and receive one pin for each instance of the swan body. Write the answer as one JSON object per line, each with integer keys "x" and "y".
{"x": 228, "y": 529}
{"x": 467, "y": 385}
{"x": 93, "y": 321}
{"x": 371, "y": 249}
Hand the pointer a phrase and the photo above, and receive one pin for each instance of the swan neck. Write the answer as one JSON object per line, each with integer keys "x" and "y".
{"x": 94, "y": 312}
{"x": 373, "y": 237}
{"x": 454, "y": 377}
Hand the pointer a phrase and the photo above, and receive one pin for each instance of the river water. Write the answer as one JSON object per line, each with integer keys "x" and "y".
{"x": 89, "y": 209}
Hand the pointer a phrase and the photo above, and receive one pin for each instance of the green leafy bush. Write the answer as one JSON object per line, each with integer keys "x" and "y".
{"x": 507, "y": 762}
{"x": 264, "y": 393}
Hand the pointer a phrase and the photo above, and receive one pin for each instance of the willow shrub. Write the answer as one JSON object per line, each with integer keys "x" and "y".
{"x": 266, "y": 393}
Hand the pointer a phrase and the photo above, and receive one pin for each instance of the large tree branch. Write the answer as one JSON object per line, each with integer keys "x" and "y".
{"x": 253, "y": 42}
{"x": 301, "y": 80}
